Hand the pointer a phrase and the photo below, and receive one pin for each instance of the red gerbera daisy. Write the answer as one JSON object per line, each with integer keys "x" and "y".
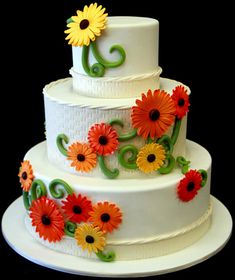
{"x": 47, "y": 219}
{"x": 154, "y": 114}
{"x": 77, "y": 208}
{"x": 103, "y": 139}
{"x": 189, "y": 185}
{"x": 181, "y": 100}
{"x": 107, "y": 216}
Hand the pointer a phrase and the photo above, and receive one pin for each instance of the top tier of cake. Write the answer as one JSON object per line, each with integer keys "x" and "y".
{"x": 137, "y": 37}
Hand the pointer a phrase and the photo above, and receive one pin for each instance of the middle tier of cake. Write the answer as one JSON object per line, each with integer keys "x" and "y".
{"x": 69, "y": 116}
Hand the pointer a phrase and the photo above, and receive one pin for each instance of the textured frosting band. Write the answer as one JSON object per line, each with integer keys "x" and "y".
{"x": 115, "y": 87}
{"x": 139, "y": 249}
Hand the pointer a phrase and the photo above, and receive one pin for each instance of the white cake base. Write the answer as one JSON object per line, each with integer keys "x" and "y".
{"x": 211, "y": 243}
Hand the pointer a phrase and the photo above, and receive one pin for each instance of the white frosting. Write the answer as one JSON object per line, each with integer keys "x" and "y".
{"x": 150, "y": 206}
{"x": 139, "y": 38}
{"x": 73, "y": 115}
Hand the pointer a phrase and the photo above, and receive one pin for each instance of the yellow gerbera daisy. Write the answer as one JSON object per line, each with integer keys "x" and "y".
{"x": 86, "y": 26}
{"x": 151, "y": 157}
{"x": 90, "y": 238}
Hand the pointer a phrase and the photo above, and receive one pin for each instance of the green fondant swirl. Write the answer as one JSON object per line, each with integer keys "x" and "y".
{"x": 96, "y": 70}
{"x": 38, "y": 189}
{"x": 123, "y": 137}
{"x": 166, "y": 142}
{"x": 129, "y": 163}
{"x": 106, "y": 257}
{"x": 116, "y": 122}
{"x": 169, "y": 166}
{"x": 176, "y": 131}
{"x": 204, "y": 176}
{"x": 111, "y": 174}
{"x": 183, "y": 163}
{"x": 58, "y": 192}
{"x": 106, "y": 63}
{"x": 26, "y": 200}
{"x": 130, "y": 135}
{"x": 59, "y": 142}
{"x": 70, "y": 228}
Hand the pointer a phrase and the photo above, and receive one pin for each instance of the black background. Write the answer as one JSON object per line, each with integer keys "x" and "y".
{"x": 195, "y": 48}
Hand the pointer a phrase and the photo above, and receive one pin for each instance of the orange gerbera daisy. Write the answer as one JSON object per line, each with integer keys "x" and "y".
{"x": 77, "y": 208}
{"x": 47, "y": 219}
{"x": 82, "y": 156}
{"x": 26, "y": 175}
{"x": 154, "y": 114}
{"x": 181, "y": 99}
{"x": 103, "y": 139}
{"x": 107, "y": 216}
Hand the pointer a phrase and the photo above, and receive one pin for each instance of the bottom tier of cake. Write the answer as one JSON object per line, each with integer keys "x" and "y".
{"x": 134, "y": 218}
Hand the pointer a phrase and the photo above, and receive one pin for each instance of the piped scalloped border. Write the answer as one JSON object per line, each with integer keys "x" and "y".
{"x": 115, "y": 87}
{"x": 88, "y": 102}
{"x": 124, "y": 79}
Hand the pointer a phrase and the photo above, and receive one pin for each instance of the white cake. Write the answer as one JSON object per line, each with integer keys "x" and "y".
{"x": 116, "y": 178}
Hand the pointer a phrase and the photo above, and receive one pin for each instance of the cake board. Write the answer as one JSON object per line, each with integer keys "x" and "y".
{"x": 210, "y": 244}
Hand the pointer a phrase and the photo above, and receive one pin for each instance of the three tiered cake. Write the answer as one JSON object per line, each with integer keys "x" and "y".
{"x": 116, "y": 178}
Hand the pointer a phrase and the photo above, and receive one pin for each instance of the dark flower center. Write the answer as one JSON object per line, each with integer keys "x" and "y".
{"x": 105, "y": 217}
{"x": 80, "y": 157}
{"x": 181, "y": 102}
{"x": 154, "y": 115}
{"x": 77, "y": 209}
{"x": 46, "y": 220}
{"x": 151, "y": 158}
{"x": 90, "y": 239}
{"x": 84, "y": 24}
{"x": 103, "y": 140}
{"x": 190, "y": 186}
{"x": 24, "y": 175}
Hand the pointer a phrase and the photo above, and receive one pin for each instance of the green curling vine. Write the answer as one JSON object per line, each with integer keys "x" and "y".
{"x": 167, "y": 143}
{"x": 129, "y": 163}
{"x": 70, "y": 228}
{"x": 170, "y": 164}
{"x": 183, "y": 163}
{"x": 37, "y": 190}
{"x": 176, "y": 130}
{"x": 123, "y": 137}
{"x": 111, "y": 174}
{"x": 98, "y": 69}
{"x": 204, "y": 176}
{"x": 60, "y": 140}
{"x": 55, "y": 188}
{"x": 106, "y": 257}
